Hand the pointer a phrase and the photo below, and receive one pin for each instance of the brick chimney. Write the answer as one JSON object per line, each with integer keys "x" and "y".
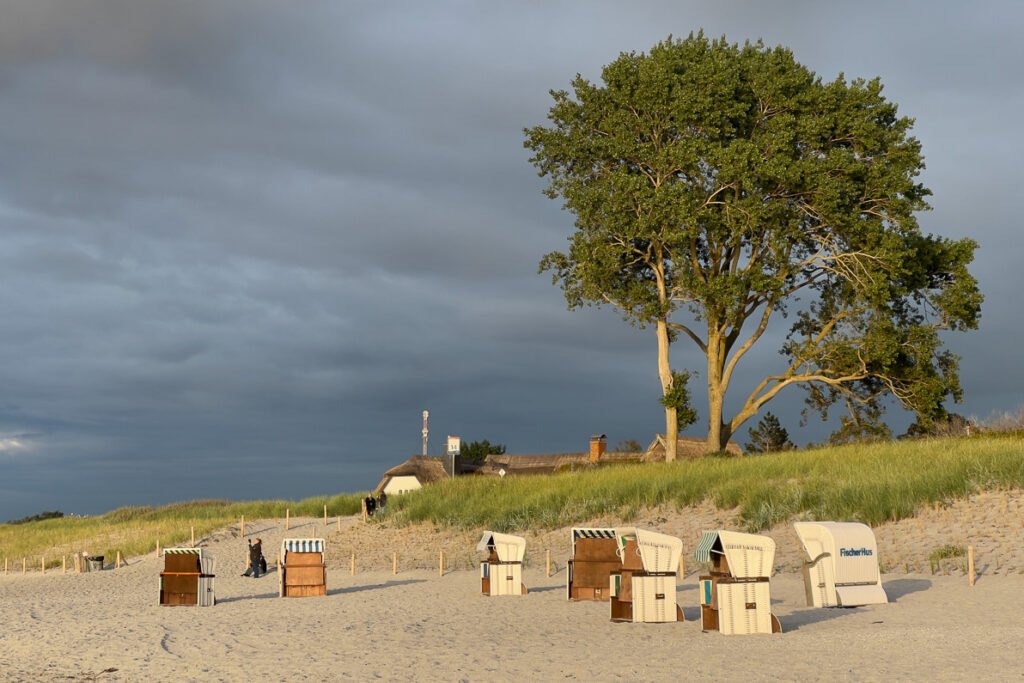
{"x": 597, "y": 447}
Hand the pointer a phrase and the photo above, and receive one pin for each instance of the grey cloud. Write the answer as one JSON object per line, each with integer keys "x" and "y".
{"x": 241, "y": 241}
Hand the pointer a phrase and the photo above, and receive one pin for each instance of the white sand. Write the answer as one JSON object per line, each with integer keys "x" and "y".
{"x": 418, "y": 626}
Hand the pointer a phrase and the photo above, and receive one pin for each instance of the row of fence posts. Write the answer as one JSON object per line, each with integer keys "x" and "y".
{"x": 42, "y": 564}
{"x": 394, "y": 559}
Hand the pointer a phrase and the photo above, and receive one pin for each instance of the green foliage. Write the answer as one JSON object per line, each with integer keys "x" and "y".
{"x": 768, "y": 437}
{"x": 629, "y": 446}
{"x": 953, "y": 425}
{"x": 477, "y": 451}
{"x": 48, "y": 514}
{"x": 678, "y": 397}
{"x": 945, "y": 552}
{"x": 715, "y": 183}
{"x": 863, "y": 424}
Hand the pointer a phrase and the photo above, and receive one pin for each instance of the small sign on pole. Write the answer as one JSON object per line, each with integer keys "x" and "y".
{"x": 454, "y": 445}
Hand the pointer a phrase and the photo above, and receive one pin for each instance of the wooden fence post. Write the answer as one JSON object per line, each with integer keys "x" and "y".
{"x": 287, "y": 519}
{"x": 193, "y": 529}
{"x": 325, "y": 515}
{"x": 339, "y": 524}
{"x": 24, "y": 566}
{"x": 243, "y": 526}
{"x": 64, "y": 564}
{"x": 970, "y": 562}
{"x": 394, "y": 563}
{"x": 42, "y": 564}
{"x": 440, "y": 563}
{"x": 117, "y": 563}
{"x": 353, "y": 563}
{"x": 549, "y": 562}
{"x": 158, "y": 547}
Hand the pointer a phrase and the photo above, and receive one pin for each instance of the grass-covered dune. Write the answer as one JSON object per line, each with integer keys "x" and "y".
{"x": 868, "y": 483}
{"x": 136, "y": 530}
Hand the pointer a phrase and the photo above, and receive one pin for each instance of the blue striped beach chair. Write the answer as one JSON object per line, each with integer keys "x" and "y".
{"x": 592, "y": 560}
{"x": 303, "y": 566}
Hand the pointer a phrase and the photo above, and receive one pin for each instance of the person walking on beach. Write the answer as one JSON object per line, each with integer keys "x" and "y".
{"x": 255, "y": 559}
{"x": 371, "y": 505}
{"x": 382, "y": 501}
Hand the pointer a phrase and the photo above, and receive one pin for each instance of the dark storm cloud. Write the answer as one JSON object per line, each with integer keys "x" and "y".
{"x": 245, "y": 244}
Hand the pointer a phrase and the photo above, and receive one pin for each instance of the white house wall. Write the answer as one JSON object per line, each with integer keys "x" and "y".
{"x": 402, "y": 484}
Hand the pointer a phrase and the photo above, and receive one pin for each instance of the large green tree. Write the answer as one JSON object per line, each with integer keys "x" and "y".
{"x": 716, "y": 185}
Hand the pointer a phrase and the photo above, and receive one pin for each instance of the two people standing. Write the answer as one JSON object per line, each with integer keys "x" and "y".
{"x": 371, "y": 505}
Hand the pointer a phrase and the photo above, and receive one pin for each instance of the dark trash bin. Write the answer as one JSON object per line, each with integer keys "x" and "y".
{"x": 95, "y": 563}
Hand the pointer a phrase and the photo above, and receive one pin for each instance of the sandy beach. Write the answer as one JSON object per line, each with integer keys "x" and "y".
{"x": 417, "y": 625}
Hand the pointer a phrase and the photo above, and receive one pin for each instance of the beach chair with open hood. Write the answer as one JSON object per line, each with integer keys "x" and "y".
{"x": 736, "y": 596}
{"x": 643, "y": 588}
{"x": 502, "y": 572}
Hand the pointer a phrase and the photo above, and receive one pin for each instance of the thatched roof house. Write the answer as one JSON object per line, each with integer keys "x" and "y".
{"x": 412, "y": 474}
{"x": 687, "y": 448}
{"x": 420, "y": 470}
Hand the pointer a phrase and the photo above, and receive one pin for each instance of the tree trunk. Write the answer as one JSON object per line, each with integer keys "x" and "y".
{"x": 718, "y": 431}
{"x": 665, "y": 374}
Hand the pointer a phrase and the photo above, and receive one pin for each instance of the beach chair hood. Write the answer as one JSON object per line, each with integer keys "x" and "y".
{"x": 206, "y": 559}
{"x": 509, "y": 548}
{"x": 302, "y": 545}
{"x": 748, "y": 555}
{"x": 659, "y": 553}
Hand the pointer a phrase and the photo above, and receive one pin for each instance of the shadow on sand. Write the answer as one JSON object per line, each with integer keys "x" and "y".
{"x": 373, "y": 587}
{"x": 897, "y": 588}
{"x": 814, "y": 615}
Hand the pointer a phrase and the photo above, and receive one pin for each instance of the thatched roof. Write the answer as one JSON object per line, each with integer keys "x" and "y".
{"x": 426, "y": 468}
{"x": 430, "y": 468}
{"x": 547, "y": 464}
{"x": 687, "y": 448}
{"x": 530, "y": 464}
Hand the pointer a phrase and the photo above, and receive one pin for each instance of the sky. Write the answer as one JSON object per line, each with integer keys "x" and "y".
{"x": 243, "y": 245}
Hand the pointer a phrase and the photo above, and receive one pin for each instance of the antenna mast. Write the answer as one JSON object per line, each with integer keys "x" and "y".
{"x": 426, "y": 414}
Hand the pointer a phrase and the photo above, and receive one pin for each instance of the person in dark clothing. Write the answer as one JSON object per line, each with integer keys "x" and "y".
{"x": 255, "y": 559}
{"x": 382, "y": 501}
{"x": 371, "y": 506}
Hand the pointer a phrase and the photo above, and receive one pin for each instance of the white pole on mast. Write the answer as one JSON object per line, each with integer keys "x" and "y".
{"x": 426, "y": 414}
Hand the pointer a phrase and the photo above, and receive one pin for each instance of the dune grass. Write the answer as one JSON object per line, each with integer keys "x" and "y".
{"x": 866, "y": 483}
{"x": 135, "y": 530}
